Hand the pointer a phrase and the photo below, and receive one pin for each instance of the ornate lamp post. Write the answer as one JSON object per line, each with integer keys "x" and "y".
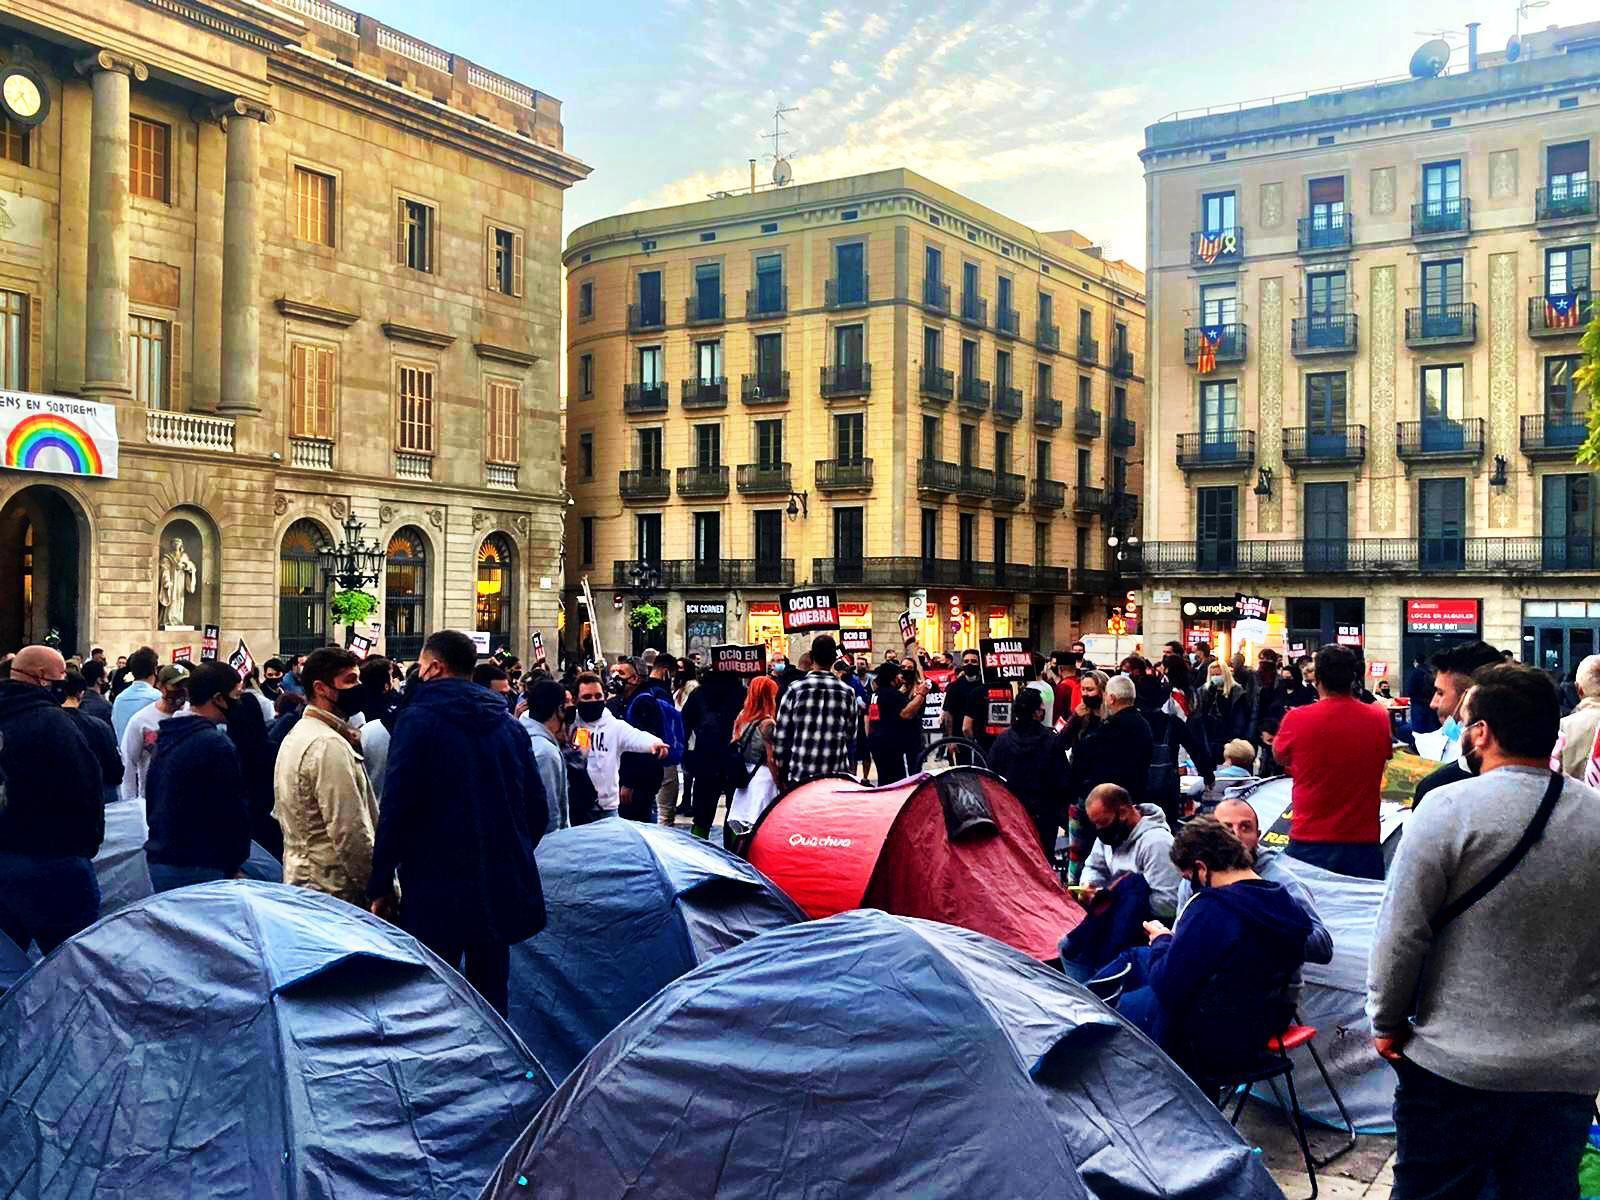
{"x": 353, "y": 564}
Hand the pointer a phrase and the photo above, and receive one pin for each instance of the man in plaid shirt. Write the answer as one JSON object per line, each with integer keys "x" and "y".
{"x": 817, "y": 721}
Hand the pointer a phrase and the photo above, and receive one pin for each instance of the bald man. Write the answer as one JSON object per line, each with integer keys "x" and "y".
{"x": 53, "y": 819}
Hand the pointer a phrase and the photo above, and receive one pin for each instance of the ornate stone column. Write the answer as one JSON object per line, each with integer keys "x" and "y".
{"x": 241, "y": 259}
{"x": 106, "y": 317}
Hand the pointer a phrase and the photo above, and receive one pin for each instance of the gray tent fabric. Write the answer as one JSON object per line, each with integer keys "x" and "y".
{"x": 13, "y": 963}
{"x": 248, "y": 1039}
{"x": 869, "y": 1055}
{"x": 121, "y": 868}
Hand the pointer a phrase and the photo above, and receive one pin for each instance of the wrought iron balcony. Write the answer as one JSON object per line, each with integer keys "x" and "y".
{"x": 1007, "y": 322}
{"x": 1368, "y": 557}
{"x": 764, "y": 479}
{"x": 1442, "y": 324}
{"x": 644, "y": 397}
{"x": 1088, "y": 350}
{"x": 1047, "y": 336}
{"x": 1090, "y": 581}
{"x": 672, "y": 574}
{"x": 1554, "y": 435}
{"x": 935, "y": 475}
{"x": 644, "y": 484}
{"x": 1122, "y": 508}
{"x": 851, "y": 379}
{"x": 762, "y": 302}
{"x": 1008, "y": 404}
{"x": 974, "y": 310}
{"x": 937, "y": 384}
{"x": 705, "y": 393}
{"x": 1048, "y": 493}
{"x": 1046, "y": 412}
{"x": 1122, "y": 362}
{"x": 1428, "y": 440}
{"x": 974, "y": 481}
{"x": 705, "y": 309}
{"x": 941, "y": 573}
{"x": 844, "y": 475}
{"x": 973, "y": 395}
{"x": 771, "y": 387}
{"x": 1230, "y": 342}
{"x": 936, "y": 295}
{"x": 1330, "y": 333}
{"x": 1091, "y": 500}
{"x": 1124, "y": 433}
{"x": 1216, "y": 247}
{"x": 646, "y": 316}
{"x": 702, "y": 481}
{"x": 1320, "y": 234}
{"x": 1562, "y": 315}
{"x": 1086, "y": 422}
{"x": 1441, "y": 218}
{"x": 848, "y": 291}
{"x": 1217, "y": 450}
{"x": 1574, "y": 201}
{"x": 1324, "y": 445}
{"x": 1010, "y": 488}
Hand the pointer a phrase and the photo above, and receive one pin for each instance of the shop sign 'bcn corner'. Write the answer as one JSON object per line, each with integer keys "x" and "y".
{"x": 58, "y": 435}
{"x": 813, "y": 608}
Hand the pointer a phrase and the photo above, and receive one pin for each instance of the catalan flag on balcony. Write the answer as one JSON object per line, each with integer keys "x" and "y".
{"x": 1561, "y": 311}
{"x": 1210, "y": 338}
{"x": 1213, "y": 245}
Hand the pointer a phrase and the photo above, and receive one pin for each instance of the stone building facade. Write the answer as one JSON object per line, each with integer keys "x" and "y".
{"x": 312, "y": 264}
{"x": 873, "y": 383}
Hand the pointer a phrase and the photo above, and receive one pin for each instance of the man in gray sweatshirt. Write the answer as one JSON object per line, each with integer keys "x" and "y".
{"x": 1493, "y": 1022}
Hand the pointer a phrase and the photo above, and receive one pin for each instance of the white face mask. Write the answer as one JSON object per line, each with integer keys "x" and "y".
{"x": 1216, "y": 681}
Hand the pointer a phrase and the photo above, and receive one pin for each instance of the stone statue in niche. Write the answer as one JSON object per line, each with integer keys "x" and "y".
{"x": 177, "y": 582}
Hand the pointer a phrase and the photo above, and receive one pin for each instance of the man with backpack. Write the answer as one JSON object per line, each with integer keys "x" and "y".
{"x": 603, "y": 738}
{"x": 645, "y": 702}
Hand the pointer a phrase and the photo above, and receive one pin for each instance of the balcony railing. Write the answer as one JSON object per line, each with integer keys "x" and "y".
{"x": 1122, "y": 508}
{"x": 1086, "y": 422}
{"x": 1007, "y": 322}
{"x": 769, "y": 388}
{"x": 1315, "y": 445}
{"x": 1554, "y": 434}
{"x": 502, "y": 476}
{"x": 1087, "y": 499}
{"x": 1046, "y": 412}
{"x": 1326, "y": 232}
{"x": 937, "y": 384}
{"x": 416, "y": 467}
{"x": 851, "y": 379}
{"x": 974, "y": 310}
{"x": 842, "y": 475}
{"x": 1088, "y": 350}
{"x": 848, "y": 291}
{"x": 1216, "y": 450}
{"x": 940, "y": 573}
{"x": 1124, "y": 433}
{"x": 1442, "y": 324}
{"x": 1365, "y": 557}
{"x": 1047, "y": 336}
{"x": 1212, "y": 247}
{"x": 1228, "y": 346}
{"x": 311, "y": 454}
{"x": 934, "y": 475}
{"x": 936, "y": 295}
{"x": 764, "y": 479}
{"x": 1008, "y": 404}
{"x": 766, "y": 302}
{"x": 191, "y": 431}
{"x": 644, "y": 397}
{"x": 973, "y": 395}
{"x": 644, "y": 484}
{"x": 1435, "y": 218}
{"x": 1048, "y": 493}
{"x": 974, "y": 481}
{"x": 705, "y": 309}
{"x": 1330, "y": 333}
{"x": 703, "y": 481}
{"x": 705, "y": 393}
{"x": 1010, "y": 488}
{"x": 1573, "y": 201}
{"x": 1440, "y": 439}
{"x": 672, "y": 574}
{"x": 1122, "y": 361}
{"x": 646, "y": 316}
{"x": 1562, "y": 315}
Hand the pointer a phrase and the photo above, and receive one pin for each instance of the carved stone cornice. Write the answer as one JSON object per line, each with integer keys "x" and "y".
{"x": 505, "y": 354}
{"x": 413, "y": 333}
{"x": 302, "y": 310}
{"x": 240, "y": 107}
{"x": 106, "y": 60}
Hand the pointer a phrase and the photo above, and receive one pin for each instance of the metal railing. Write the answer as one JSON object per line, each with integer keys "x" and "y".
{"x": 1122, "y": 362}
{"x": 1047, "y": 336}
{"x": 704, "y": 393}
{"x": 1216, "y": 449}
{"x": 670, "y": 574}
{"x": 1124, "y": 433}
{"x": 849, "y": 291}
{"x": 646, "y": 316}
{"x": 837, "y": 475}
{"x": 1441, "y": 324}
{"x": 853, "y": 379}
{"x": 1208, "y": 247}
{"x": 705, "y": 310}
{"x": 941, "y": 573}
{"x": 1010, "y": 487}
{"x": 1329, "y": 333}
{"x": 1086, "y": 499}
{"x": 1007, "y": 322}
{"x": 1368, "y": 556}
{"x": 773, "y": 304}
{"x": 1573, "y": 201}
{"x": 1435, "y": 217}
{"x": 1047, "y": 412}
{"x": 1008, "y": 403}
{"x": 937, "y": 383}
{"x": 1086, "y": 422}
{"x": 1440, "y": 439}
{"x": 1088, "y": 350}
{"x": 644, "y": 397}
{"x": 973, "y": 394}
{"x": 1565, "y": 315}
{"x": 1304, "y": 445}
{"x": 1049, "y": 493}
{"x": 771, "y": 387}
{"x": 935, "y": 475}
{"x": 703, "y": 481}
{"x": 974, "y": 481}
{"x": 764, "y": 479}
{"x": 1230, "y": 343}
{"x": 644, "y": 484}
{"x": 1554, "y": 434}
{"x": 1326, "y": 232}
{"x": 974, "y": 310}
{"x": 936, "y": 295}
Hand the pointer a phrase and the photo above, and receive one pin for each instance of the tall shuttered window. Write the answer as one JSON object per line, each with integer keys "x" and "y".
{"x": 148, "y": 367}
{"x": 149, "y": 144}
{"x": 13, "y": 341}
{"x": 501, "y": 403}
{"x": 13, "y": 141}
{"x": 313, "y": 206}
{"x": 415, "y": 432}
{"x": 414, "y": 233}
{"x": 502, "y": 253}
{"x": 311, "y": 384}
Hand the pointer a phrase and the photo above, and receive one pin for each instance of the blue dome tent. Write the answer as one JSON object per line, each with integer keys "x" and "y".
{"x": 868, "y": 1055}
{"x": 629, "y": 908}
{"x": 252, "y": 1039}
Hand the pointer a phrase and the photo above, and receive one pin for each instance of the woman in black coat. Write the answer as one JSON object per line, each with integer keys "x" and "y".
{"x": 1224, "y": 710}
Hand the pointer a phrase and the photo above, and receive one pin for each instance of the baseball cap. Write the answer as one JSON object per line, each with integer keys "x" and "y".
{"x": 171, "y": 673}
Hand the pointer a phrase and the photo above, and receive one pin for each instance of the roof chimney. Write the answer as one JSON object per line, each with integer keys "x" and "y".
{"x": 1472, "y": 45}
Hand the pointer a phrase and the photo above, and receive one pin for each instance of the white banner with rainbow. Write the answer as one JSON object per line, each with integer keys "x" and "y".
{"x": 58, "y": 434}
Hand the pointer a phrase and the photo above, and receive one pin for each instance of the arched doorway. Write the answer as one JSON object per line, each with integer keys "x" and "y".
{"x": 40, "y": 565}
{"x": 405, "y": 595}
{"x": 302, "y": 592}
{"x": 496, "y": 590}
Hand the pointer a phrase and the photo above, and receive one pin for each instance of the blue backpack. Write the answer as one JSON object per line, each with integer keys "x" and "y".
{"x": 671, "y": 721}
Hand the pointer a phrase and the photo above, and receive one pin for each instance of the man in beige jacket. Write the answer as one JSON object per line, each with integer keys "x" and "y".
{"x": 322, "y": 798}
{"x": 1579, "y": 726}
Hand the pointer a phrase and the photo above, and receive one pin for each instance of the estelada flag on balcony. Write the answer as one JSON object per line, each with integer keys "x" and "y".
{"x": 1210, "y": 338}
{"x": 1561, "y": 311}
{"x": 1224, "y": 241}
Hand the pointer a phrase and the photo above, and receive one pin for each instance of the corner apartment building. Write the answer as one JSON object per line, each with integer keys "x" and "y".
{"x": 309, "y": 265}
{"x": 1365, "y": 313}
{"x": 873, "y": 383}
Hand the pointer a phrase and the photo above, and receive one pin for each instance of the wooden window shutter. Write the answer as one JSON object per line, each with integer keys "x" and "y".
{"x": 491, "y": 277}
{"x": 33, "y": 326}
{"x": 297, "y": 390}
{"x": 330, "y": 381}
{"x": 516, "y": 264}
{"x": 175, "y": 367}
{"x": 400, "y": 233}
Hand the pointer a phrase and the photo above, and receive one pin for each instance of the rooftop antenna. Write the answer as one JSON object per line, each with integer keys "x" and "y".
{"x": 1514, "y": 45}
{"x": 782, "y": 172}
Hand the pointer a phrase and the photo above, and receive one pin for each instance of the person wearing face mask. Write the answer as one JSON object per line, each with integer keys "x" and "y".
{"x": 1083, "y": 722}
{"x": 1223, "y": 712}
{"x": 96, "y": 731}
{"x": 604, "y": 737}
{"x": 53, "y": 819}
{"x": 1118, "y": 751}
{"x": 322, "y": 798}
{"x": 1130, "y": 839}
{"x": 195, "y": 805}
{"x": 139, "y": 735}
{"x": 545, "y": 723}
{"x": 1023, "y": 757}
{"x": 1452, "y": 677}
{"x": 966, "y": 701}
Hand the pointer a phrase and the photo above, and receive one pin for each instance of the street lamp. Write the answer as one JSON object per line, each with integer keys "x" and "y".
{"x": 646, "y": 577}
{"x": 797, "y": 505}
{"x": 356, "y": 561}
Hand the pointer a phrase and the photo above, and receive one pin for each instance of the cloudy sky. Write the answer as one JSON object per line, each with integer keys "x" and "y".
{"x": 1036, "y": 109}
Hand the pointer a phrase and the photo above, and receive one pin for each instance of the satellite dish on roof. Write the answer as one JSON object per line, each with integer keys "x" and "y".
{"x": 1513, "y": 48}
{"x": 1430, "y": 59}
{"x": 782, "y": 172}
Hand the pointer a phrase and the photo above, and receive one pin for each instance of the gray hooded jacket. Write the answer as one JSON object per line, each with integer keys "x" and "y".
{"x": 1147, "y": 851}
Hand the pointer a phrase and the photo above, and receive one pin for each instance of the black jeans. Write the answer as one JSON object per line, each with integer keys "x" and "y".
{"x": 704, "y": 798}
{"x": 46, "y": 899}
{"x": 640, "y": 806}
{"x": 1359, "y": 860}
{"x": 890, "y": 765}
{"x": 485, "y": 965}
{"x": 1461, "y": 1143}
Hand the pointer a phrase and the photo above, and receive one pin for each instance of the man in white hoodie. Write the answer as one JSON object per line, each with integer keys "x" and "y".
{"x": 604, "y": 738}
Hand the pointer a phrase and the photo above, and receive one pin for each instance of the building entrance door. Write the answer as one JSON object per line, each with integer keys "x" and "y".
{"x": 40, "y": 571}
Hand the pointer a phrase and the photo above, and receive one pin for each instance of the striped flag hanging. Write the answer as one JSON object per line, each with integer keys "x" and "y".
{"x": 1210, "y": 339}
{"x": 1561, "y": 311}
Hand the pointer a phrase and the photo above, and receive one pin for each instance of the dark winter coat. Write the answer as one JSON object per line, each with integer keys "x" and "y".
{"x": 1118, "y": 751}
{"x": 103, "y": 745}
{"x": 642, "y": 772}
{"x": 194, "y": 798}
{"x": 54, "y": 785}
{"x": 1224, "y": 716}
{"x": 247, "y": 729}
{"x": 1023, "y": 757}
{"x": 462, "y": 810}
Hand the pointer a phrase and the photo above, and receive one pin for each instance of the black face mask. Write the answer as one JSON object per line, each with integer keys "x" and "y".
{"x": 971, "y": 670}
{"x": 56, "y": 689}
{"x": 591, "y": 710}
{"x": 271, "y": 688}
{"x": 1092, "y": 703}
{"x": 351, "y": 700}
{"x": 569, "y": 714}
{"x": 1114, "y": 834}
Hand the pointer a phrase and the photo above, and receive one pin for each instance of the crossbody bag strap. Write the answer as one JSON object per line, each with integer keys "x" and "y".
{"x": 1505, "y": 866}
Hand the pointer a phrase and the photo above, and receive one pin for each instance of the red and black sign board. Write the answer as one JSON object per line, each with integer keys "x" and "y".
{"x": 538, "y": 648}
{"x": 360, "y": 646}
{"x": 740, "y": 660}
{"x": 933, "y": 703}
{"x": 1000, "y": 698}
{"x": 241, "y": 659}
{"x": 1441, "y": 616}
{"x": 1006, "y": 659}
{"x": 808, "y": 609}
{"x": 1249, "y": 608}
{"x": 182, "y": 654}
{"x": 208, "y": 643}
{"x": 908, "y": 628}
{"x": 856, "y": 641}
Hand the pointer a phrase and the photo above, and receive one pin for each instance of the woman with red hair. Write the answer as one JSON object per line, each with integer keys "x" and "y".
{"x": 755, "y": 774}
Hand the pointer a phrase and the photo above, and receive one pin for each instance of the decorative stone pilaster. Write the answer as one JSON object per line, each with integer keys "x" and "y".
{"x": 1381, "y": 435}
{"x": 241, "y": 258}
{"x": 1269, "y": 375}
{"x": 1503, "y": 336}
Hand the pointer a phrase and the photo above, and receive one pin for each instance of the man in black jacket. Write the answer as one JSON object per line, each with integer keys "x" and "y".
{"x": 96, "y": 730}
{"x": 1119, "y": 751}
{"x": 194, "y": 794}
{"x": 639, "y": 776}
{"x": 94, "y": 701}
{"x": 462, "y": 810}
{"x": 1022, "y": 757}
{"x": 53, "y": 819}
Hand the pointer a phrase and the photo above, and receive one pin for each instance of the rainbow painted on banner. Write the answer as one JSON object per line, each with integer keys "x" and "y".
{"x": 36, "y": 435}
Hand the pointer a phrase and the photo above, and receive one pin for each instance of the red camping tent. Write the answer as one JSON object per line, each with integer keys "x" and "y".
{"x": 956, "y": 847}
